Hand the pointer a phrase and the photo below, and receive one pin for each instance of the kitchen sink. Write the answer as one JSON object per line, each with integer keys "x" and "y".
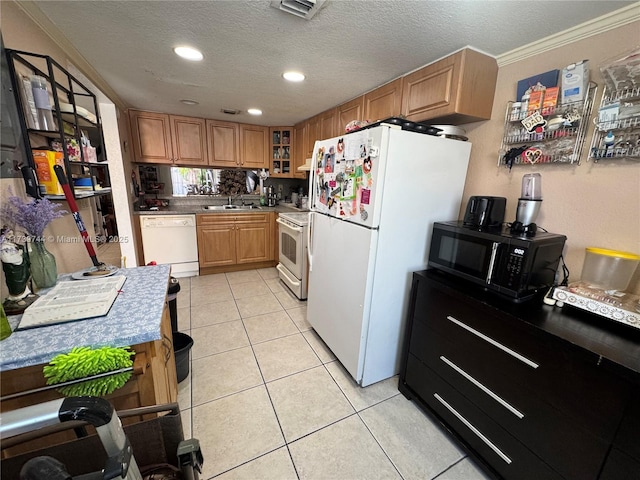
{"x": 223, "y": 208}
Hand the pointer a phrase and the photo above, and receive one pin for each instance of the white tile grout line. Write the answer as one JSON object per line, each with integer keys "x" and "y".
{"x": 264, "y": 383}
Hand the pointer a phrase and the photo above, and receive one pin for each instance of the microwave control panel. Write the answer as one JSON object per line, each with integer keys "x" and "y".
{"x": 515, "y": 260}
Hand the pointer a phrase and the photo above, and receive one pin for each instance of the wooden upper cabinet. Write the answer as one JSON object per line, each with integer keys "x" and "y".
{"x": 299, "y": 141}
{"x": 347, "y": 112}
{"x": 151, "y": 137}
{"x": 320, "y": 127}
{"x": 383, "y": 102}
{"x": 254, "y": 146}
{"x": 456, "y": 89}
{"x": 223, "y": 139}
{"x": 312, "y": 134}
{"x": 329, "y": 124}
{"x": 171, "y": 139}
{"x": 189, "y": 140}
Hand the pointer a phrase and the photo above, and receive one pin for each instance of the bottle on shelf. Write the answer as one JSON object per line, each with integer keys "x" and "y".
{"x": 515, "y": 111}
{"x": 41, "y": 99}
{"x": 524, "y": 105}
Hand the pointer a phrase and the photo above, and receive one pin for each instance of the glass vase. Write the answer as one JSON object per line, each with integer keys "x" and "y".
{"x": 44, "y": 271}
{"x": 5, "y": 328}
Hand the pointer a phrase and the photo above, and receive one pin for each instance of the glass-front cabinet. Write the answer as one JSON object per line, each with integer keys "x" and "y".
{"x": 281, "y": 161}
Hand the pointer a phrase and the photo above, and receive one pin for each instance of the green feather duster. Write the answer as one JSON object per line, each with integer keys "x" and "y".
{"x": 83, "y": 362}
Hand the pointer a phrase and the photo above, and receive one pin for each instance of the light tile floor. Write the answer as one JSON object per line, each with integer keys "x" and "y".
{"x": 268, "y": 400}
{"x": 109, "y": 253}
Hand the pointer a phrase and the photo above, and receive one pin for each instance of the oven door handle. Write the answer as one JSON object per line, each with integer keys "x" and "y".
{"x": 309, "y": 244}
{"x": 295, "y": 229}
{"x": 294, "y": 281}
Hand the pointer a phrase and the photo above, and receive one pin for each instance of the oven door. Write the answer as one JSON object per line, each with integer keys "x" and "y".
{"x": 292, "y": 252}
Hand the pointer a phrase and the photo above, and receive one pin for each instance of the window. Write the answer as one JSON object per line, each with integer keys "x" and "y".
{"x": 208, "y": 181}
{"x": 194, "y": 181}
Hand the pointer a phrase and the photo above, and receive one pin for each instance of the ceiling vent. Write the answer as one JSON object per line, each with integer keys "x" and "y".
{"x": 300, "y": 8}
{"x": 230, "y": 111}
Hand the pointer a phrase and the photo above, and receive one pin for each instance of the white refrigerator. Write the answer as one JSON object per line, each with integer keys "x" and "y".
{"x": 375, "y": 194}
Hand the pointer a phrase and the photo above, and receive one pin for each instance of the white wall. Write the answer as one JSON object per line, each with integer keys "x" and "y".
{"x": 119, "y": 182}
{"x": 593, "y": 204}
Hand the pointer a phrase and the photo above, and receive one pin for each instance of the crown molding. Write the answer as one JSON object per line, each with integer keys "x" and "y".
{"x": 598, "y": 25}
{"x": 75, "y": 57}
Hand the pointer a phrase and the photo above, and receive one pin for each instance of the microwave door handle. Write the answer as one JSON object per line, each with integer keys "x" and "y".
{"x": 492, "y": 261}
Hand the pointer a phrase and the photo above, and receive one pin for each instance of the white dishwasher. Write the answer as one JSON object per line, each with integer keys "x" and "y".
{"x": 173, "y": 240}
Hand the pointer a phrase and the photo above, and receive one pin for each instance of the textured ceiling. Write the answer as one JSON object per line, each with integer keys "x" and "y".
{"x": 347, "y": 48}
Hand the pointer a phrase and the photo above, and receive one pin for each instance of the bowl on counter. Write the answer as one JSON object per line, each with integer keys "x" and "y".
{"x": 609, "y": 269}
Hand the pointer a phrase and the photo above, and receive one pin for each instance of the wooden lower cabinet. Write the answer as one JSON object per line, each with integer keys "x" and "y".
{"x": 526, "y": 389}
{"x": 154, "y": 382}
{"x": 229, "y": 241}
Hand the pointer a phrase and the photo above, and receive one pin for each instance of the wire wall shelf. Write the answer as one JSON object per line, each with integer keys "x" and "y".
{"x": 556, "y": 138}
{"x": 617, "y": 133}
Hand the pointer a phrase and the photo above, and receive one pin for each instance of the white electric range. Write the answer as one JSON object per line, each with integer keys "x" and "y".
{"x": 293, "y": 266}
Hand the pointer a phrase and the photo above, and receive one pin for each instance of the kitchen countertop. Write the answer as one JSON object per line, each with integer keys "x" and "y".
{"x": 134, "y": 318}
{"x": 198, "y": 209}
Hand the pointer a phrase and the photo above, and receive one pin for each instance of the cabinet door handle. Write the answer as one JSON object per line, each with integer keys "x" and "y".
{"x": 468, "y": 424}
{"x": 493, "y": 395}
{"x": 481, "y": 335}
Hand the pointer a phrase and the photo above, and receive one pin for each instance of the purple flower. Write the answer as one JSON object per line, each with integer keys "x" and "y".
{"x": 31, "y": 216}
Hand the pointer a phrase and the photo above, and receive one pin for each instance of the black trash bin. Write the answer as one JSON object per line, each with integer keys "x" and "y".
{"x": 174, "y": 288}
{"x": 182, "y": 342}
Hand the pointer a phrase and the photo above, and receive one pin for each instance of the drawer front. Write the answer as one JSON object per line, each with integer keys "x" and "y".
{"x": 588, "y": 395}
{"x": 218, "y": 218}
{"x": 504, "y": 453}
{"x": 620, "y": 466}
{"x": 564, "y": 444}
{"x": 628, "y": 437}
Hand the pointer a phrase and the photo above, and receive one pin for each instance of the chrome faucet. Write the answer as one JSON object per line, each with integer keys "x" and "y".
{"x": 231, "y": 197}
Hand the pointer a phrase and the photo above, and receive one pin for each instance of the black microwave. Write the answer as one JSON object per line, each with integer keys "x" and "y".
{"x": 514, "y": 266}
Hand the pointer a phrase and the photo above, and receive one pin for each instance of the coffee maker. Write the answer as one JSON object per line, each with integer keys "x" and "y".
{"x": 528, "y": 205}
{"x": 271, "y": 196}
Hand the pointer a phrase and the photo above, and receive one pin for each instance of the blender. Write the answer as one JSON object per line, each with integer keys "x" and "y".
{"x": 528, "y": 205}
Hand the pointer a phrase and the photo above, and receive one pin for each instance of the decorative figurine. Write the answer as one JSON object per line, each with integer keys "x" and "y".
{"x": 15, "y": 264}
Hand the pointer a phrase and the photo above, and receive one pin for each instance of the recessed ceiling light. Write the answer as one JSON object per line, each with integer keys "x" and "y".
{"x": 254, "y": 111}
{"x": 189, "y": 102}
{"x": 293, "y": 76}
{"x": 189, "y": 53}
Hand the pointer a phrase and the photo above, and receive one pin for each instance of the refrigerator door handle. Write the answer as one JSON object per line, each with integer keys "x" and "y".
{"x": 309, "y": 244}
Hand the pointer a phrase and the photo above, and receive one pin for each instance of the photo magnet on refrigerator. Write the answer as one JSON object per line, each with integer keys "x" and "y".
{"x": 366, "y": 165}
